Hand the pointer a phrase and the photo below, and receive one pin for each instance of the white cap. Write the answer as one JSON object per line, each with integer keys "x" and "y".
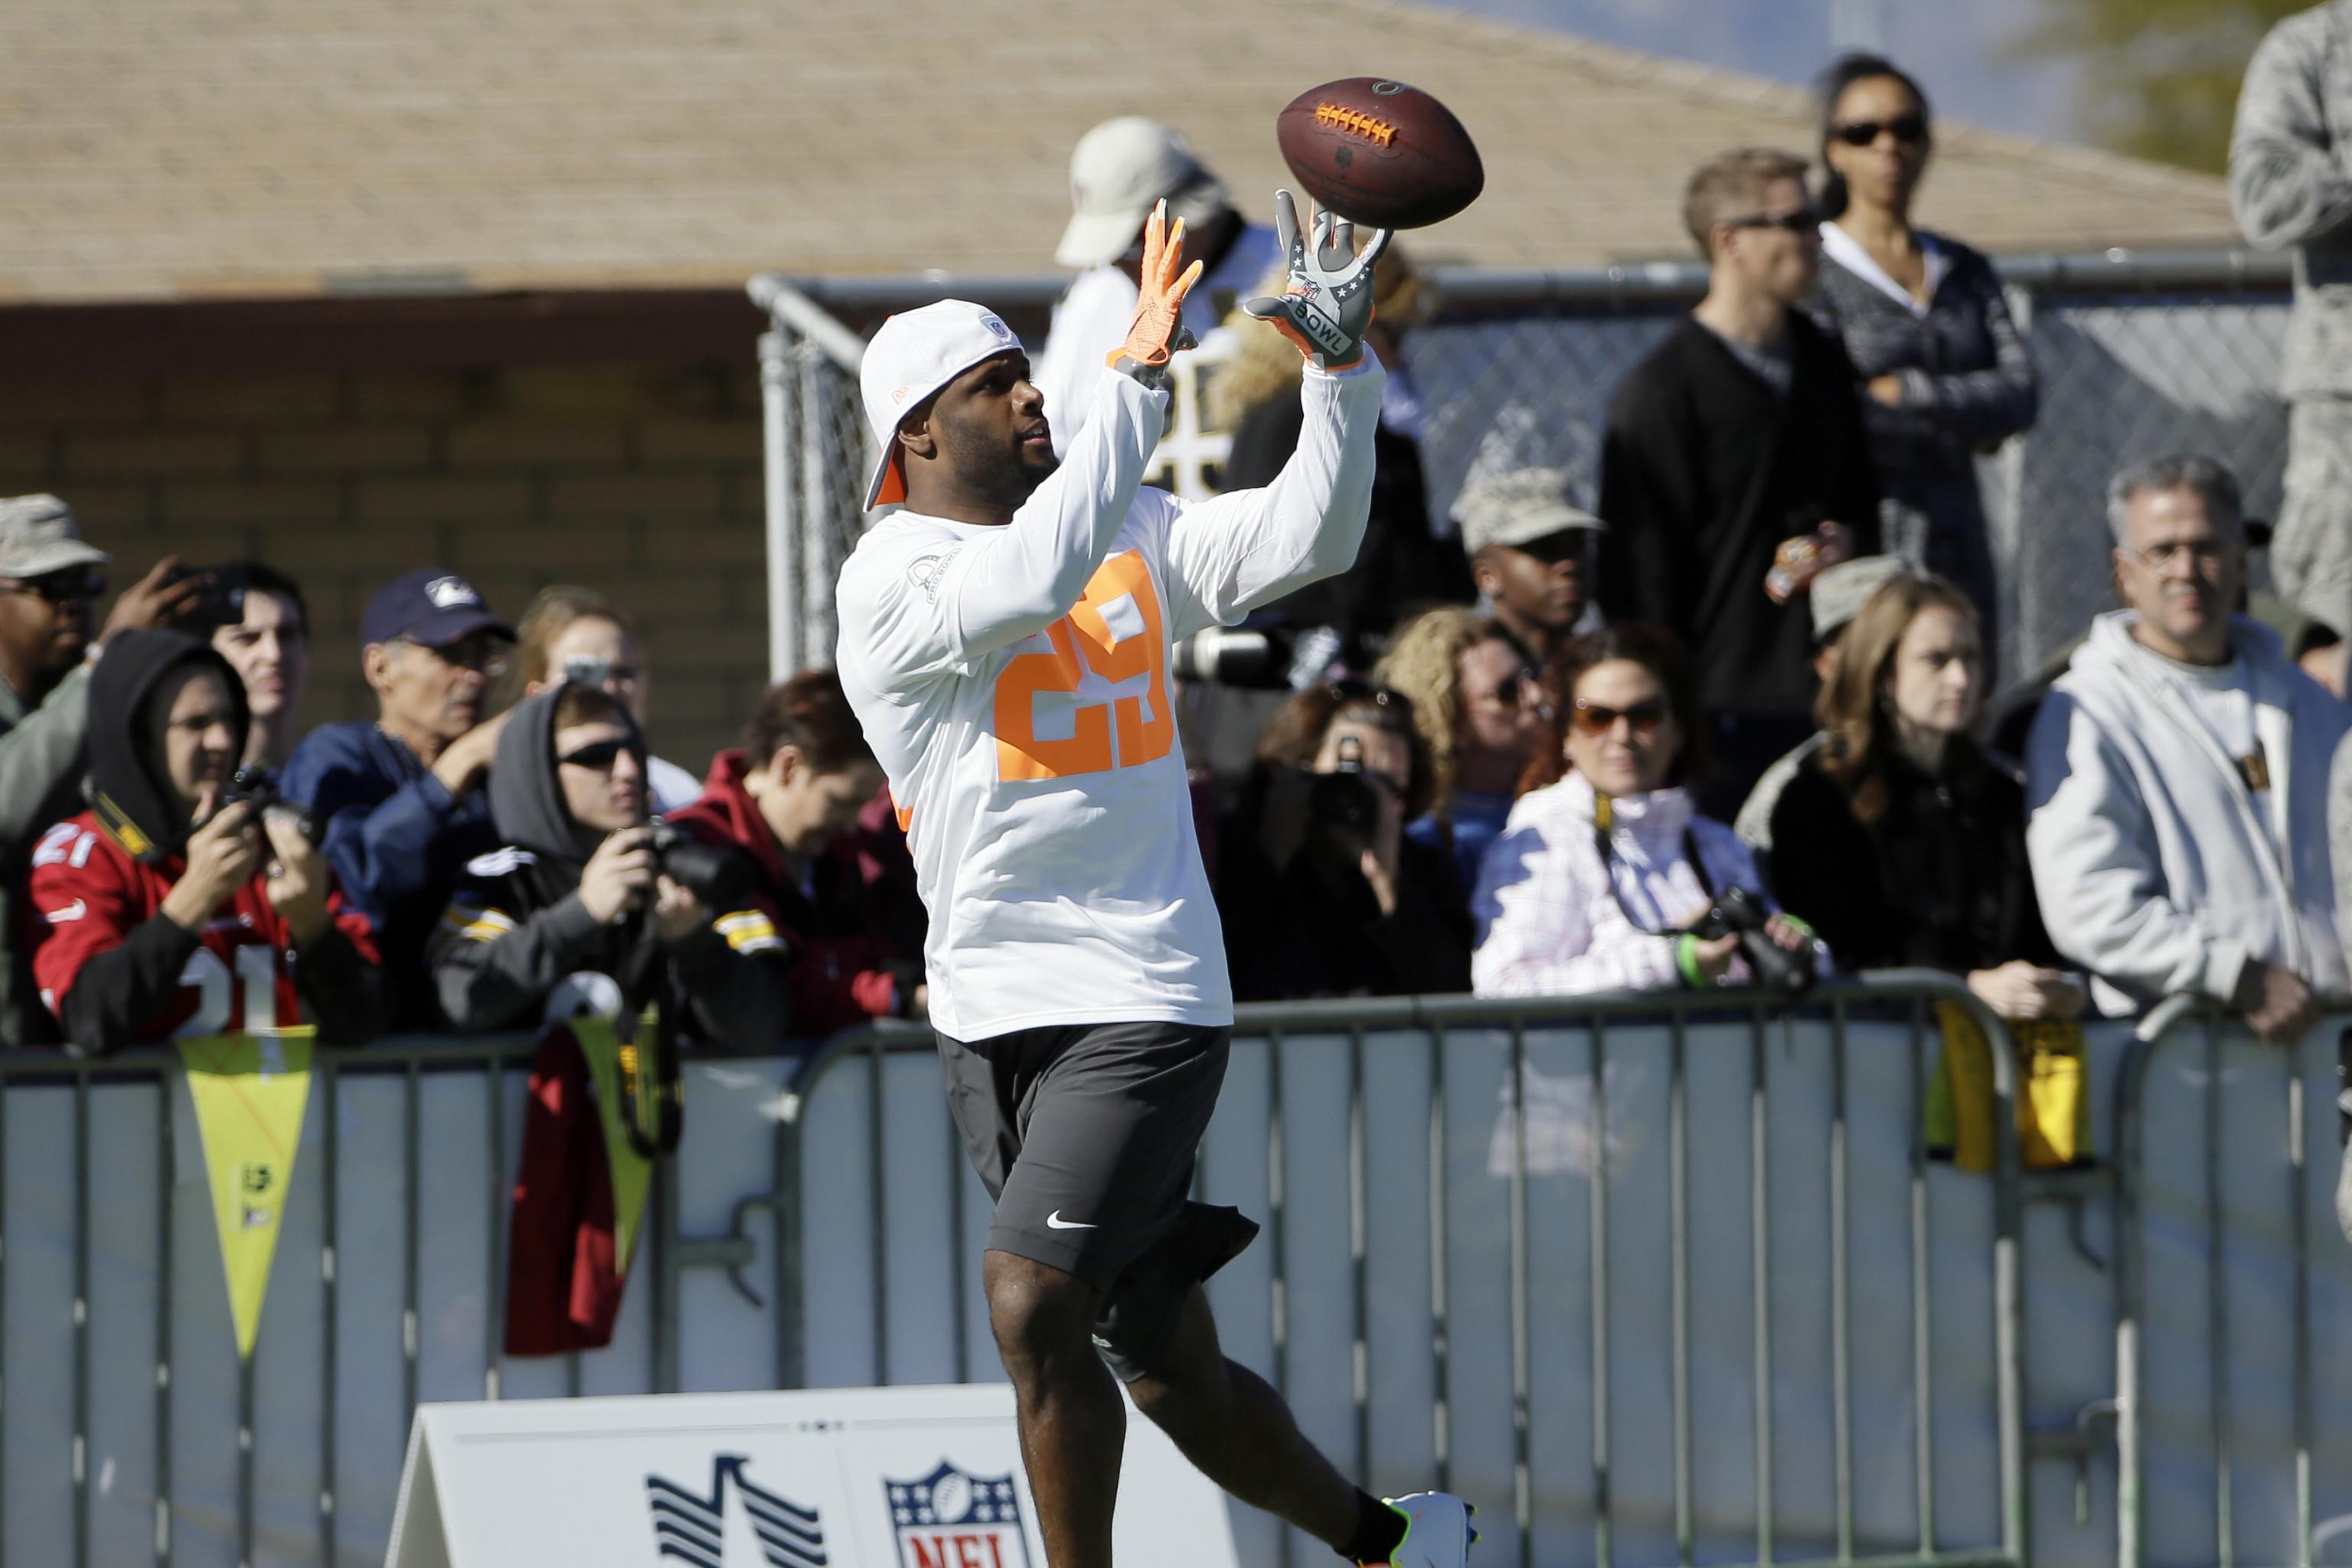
{"x": 915, "y": 353}
{"x": 1116, "y": 171}
{"x": 1840, "y": 593}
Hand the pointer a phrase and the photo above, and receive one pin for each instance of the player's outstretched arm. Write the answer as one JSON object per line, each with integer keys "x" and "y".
{"x": 1249, "y": 548}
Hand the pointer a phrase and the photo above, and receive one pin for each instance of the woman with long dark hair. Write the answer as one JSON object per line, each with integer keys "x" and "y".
{"x": 1923, "y": 320}
{"x": 1605, "y": 862}
{"x": 1903, "y": 842}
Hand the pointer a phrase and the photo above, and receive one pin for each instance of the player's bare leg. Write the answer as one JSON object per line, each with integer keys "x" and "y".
{"x": 1073, "y": 1426}
{"x": 1237, "y": 1431}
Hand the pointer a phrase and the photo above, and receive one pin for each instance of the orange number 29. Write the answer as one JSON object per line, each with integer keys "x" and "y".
{"x": 1083, "y": 640}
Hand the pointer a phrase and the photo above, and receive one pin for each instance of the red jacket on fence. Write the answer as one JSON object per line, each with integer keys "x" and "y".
{"x": 835, "y": 909}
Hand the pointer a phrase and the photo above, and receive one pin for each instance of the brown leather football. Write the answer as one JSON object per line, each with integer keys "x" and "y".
{"x": 1379, "y": 152}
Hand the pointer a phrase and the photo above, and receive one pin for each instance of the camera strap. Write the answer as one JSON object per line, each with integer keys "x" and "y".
{"x": 1604, "y": 818}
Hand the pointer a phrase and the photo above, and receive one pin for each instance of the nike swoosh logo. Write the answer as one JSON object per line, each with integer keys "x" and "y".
{"x": 72, "y": 912}
{"x": 1056, "y": 1222}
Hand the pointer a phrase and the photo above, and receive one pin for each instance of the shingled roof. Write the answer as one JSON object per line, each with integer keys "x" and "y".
{"x": 278, "y": 149}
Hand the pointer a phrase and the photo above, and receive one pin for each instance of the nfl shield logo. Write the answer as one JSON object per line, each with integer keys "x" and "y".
{"x": 952, "y": 1519}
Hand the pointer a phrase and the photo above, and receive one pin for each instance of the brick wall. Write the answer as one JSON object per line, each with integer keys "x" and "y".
{"x": 639, "y": 478}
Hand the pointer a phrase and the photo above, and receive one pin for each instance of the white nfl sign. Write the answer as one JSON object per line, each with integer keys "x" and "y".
{"x": 868, "y": 1477}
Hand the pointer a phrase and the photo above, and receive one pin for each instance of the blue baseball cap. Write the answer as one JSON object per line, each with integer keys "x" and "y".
{"x": 430, "y": 606}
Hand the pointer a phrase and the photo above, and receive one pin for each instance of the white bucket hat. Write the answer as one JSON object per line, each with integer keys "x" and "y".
{"x": 1118, "y": 171}
{"x": 915, "y": 353}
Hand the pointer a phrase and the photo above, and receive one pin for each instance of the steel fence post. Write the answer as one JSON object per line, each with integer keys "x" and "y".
{"x": 820, "y": 562}
{"x": 779, "y": 389}
{"x": 2131, "y": 1550}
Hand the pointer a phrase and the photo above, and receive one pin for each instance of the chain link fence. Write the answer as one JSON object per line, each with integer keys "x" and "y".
{"x": 2138, "y": 354}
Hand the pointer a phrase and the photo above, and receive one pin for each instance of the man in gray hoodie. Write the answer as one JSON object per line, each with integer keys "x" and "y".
{"x": 2291, "y": 180}
{"x": 2177, "y": 777}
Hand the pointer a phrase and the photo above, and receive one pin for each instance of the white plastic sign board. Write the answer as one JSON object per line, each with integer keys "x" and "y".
{"x": 870, "y": 1478}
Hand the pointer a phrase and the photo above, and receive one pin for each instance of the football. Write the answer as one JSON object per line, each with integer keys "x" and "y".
{"x": 1379, "y": 152}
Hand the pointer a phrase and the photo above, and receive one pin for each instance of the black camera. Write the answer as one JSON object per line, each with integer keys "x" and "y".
{"x": 1738, "y": 911}
{"x": 1344, "y": 798}
{"x": 253, "y": 787}
{"x": 221, "y": 604}
{"x": 717, "y": 876}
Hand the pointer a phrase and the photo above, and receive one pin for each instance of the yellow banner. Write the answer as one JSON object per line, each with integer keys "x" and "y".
{"x": 2054, "y": 1111}
{"x": 632, "y": 1172}
{"x": 248, "y": 1092}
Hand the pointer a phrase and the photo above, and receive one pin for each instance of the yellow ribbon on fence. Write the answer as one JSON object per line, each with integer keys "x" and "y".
{"x": 248, "y": 1092}
{"x": 2054, "y": 1111}
{"x": 632, "y": 1173}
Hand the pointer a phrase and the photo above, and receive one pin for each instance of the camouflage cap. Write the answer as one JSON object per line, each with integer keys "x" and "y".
{"x": 38, "y": 536}
{"x": 1517, "y": 508}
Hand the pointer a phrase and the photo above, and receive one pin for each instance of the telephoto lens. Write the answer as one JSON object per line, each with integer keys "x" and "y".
{"x": 1234, "y": 656}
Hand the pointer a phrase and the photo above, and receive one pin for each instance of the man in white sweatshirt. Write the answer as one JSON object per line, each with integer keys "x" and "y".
{"x": 2179, "y": 776}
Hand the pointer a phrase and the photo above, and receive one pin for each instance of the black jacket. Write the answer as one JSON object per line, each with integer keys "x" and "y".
{"x": 1400, "y": 567}
{"x": 517, "y": 943}
{"x": 1705, "y": 470}
{"x": 1313, "y": 927}
{"x": 1940, "y": 880}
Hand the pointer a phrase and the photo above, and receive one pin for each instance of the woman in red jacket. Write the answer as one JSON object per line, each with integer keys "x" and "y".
{"x": 789, "y": 801}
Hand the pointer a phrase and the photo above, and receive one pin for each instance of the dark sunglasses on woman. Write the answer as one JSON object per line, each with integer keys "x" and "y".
{"x": 1910, "y": 130}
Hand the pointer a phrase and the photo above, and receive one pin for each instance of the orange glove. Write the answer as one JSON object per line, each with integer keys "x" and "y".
{"x": 1152, "y": 336}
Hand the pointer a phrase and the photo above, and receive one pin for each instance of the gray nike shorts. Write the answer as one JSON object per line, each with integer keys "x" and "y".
{"x": 1085, "y": 1136}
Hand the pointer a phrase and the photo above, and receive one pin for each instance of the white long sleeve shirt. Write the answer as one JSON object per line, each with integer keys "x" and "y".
{"x": 1014, "y": 683}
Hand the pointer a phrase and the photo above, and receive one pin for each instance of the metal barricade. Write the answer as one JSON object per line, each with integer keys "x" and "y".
{"x": 2238, "y": 1218}
{"x": 1659, "y": 1278}
{"x": 1414, "y": 1300}
{"x": 130, "y": 1428}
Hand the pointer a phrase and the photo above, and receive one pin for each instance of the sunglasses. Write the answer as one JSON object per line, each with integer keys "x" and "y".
{"x": 1551, "y": 549}
{"x": 1592, "y": 719}
{"x": 1804, "y": 220}
{"x": 1910, "y": 130}
{"x": 67, "y": 588}
{"x": 1512, "y": 686}
{"x": 598, "y": 755}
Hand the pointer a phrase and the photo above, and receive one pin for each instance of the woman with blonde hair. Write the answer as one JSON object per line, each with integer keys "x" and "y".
{"x": 1478, "y": 708}
{"x": 1402, "y": 565}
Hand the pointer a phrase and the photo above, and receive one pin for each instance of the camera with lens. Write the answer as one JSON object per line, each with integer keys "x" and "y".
{"x": 256, "y": 788}
{"x": 1344, "y": 798}
{"x": 221, "y": 604}
{"x": 717, "y": 876}
{"x": 1738, "y": 911}
{"x": 1253, "y": 658}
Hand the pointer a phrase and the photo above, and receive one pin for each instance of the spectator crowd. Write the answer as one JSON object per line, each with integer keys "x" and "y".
{"x": 1727, "y": 727}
